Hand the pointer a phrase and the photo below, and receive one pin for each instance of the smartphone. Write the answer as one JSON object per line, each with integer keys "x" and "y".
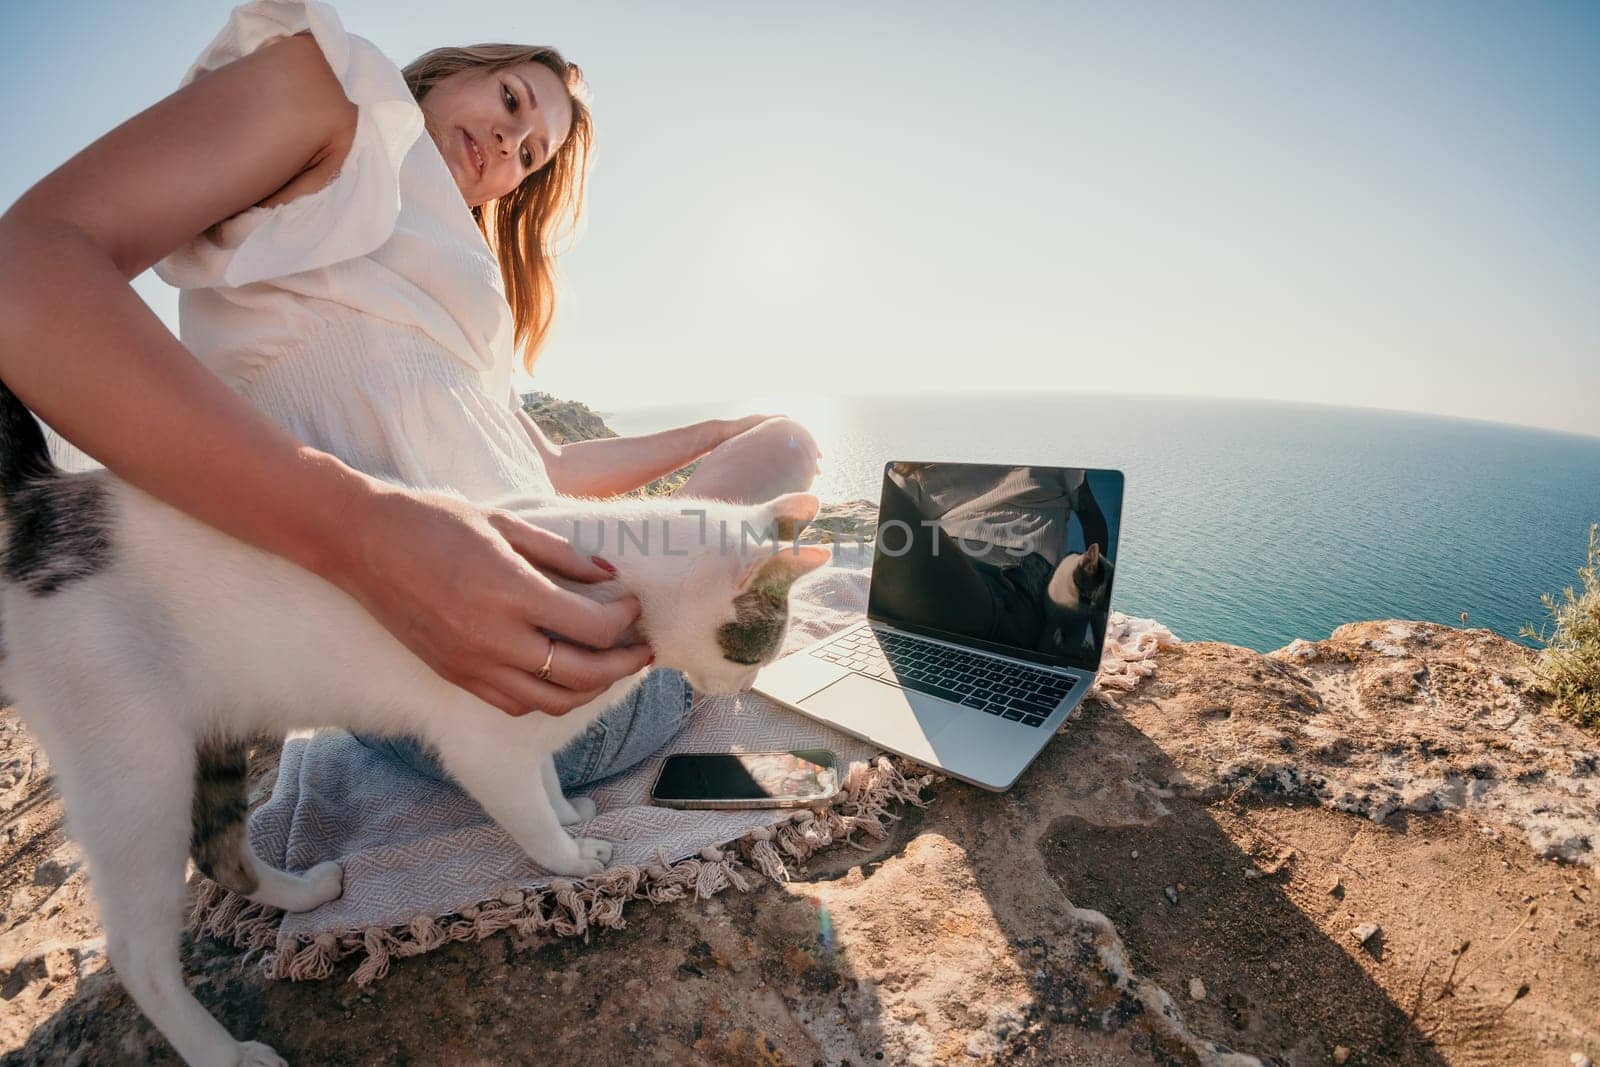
{"x": 746, "y": 779}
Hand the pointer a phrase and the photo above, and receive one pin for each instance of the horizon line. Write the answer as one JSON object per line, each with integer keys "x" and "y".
{"x": 1593, "y": 436}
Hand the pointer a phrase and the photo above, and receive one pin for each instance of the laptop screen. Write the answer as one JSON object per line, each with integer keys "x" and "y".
{"x": 1016, "y": 560}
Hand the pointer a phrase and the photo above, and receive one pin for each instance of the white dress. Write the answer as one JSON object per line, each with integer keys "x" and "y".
{"x": 369, "y": 317}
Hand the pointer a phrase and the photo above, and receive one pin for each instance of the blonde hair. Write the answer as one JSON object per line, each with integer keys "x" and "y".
{"x": 525, "y": 226}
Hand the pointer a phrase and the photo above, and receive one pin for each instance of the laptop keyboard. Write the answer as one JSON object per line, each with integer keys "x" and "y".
{"x": 999, "y": 687}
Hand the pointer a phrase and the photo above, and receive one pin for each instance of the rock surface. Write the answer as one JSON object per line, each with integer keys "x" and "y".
{"x": 1397, "y": 774}
{"x": 1385, "y": 717}
{"x": 565, "y": 421}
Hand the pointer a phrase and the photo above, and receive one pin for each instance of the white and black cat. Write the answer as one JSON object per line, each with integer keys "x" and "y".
{"x": 142, "y": 646}
{"x": 1077, "y": 603}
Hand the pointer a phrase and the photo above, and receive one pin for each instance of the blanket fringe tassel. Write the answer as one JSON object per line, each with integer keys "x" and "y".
{"x": 567, "y": 908}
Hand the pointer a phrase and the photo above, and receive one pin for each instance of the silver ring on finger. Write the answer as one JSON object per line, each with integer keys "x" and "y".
{"x": 543, "y": 673}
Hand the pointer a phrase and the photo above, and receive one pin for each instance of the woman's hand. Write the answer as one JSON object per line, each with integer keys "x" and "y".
{"x": 732, "y": 428}
{"x": 461, "y": 586}
{"x": 735, "y": 427}
{"x": 727, "y": 429}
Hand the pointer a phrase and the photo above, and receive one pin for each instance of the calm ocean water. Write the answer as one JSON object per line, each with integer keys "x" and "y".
{"x": 1256, "y": 523}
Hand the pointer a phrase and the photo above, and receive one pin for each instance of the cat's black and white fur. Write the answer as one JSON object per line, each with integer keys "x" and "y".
{"x": 1077, "y": 602}
{"x": 142, "y": 646}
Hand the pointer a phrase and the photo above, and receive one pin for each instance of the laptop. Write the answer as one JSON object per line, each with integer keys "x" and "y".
{"x": 986, "y": 617}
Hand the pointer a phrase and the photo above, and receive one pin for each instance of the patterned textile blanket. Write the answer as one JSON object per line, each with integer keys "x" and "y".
{"x": 423, "y": 865}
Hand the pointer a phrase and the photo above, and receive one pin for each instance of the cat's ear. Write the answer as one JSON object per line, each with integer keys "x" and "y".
{"x": 787, "y": 513}
{"x": 776, "y": 573}
{"x": 1091, "y": 557}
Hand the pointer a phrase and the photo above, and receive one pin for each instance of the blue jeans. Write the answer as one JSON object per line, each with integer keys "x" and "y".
{"x": 624, "y": 735}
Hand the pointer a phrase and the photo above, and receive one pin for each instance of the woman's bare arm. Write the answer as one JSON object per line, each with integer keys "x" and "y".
{"x": 84, "y": 352}
{"x": 606, "y": 466}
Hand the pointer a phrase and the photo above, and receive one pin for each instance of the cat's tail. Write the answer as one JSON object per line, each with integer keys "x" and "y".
{"x": 24, "y": 454}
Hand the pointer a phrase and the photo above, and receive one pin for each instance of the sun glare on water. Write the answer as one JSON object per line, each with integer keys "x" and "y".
{"x": 819, "y": 414}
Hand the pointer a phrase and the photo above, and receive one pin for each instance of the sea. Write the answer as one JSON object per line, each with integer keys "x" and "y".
{"x": 1255, "y": 522}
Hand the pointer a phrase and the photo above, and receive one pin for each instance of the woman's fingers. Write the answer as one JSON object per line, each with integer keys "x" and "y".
{"x": 529, "y": 694}
{"x": 549, "y": 551}
{"x": 750, "y": 422}
{"x": 575, "y": 667}
{"x": 576, "y": 673}
{"x": 588, "y": 622}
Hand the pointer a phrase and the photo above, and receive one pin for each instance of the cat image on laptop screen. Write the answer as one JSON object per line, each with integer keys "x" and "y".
{"x": 1077, "y": 604}
{"x": 1017, "y": 556}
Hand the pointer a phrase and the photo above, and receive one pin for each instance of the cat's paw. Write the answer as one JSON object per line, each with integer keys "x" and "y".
{"x": 255, "y": 1054}
{"x": 323, "y": 883}
{"x": 591, "y": 856}
{"x": 587, "y": 855}
{"x": 595, "y": 852}
{"x": 582, "y": 808}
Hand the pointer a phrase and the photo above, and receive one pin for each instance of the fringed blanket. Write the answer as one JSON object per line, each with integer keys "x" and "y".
{"x": 424, "y": 866}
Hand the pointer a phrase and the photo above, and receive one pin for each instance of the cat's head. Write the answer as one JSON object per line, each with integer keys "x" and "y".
{"x": 712, "y": 580}
{"x": 733, "y": 617}
{"x": 1092, "y": 576}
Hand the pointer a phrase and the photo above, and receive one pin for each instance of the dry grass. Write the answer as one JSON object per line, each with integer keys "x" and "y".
{"x": 1569, "y": 668}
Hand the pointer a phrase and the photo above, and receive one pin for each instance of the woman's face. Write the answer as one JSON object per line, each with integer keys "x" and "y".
{"x": 494, "y": 128}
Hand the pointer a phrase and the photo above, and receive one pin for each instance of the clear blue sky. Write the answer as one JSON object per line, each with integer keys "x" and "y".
{"x": 1381, "y": 204}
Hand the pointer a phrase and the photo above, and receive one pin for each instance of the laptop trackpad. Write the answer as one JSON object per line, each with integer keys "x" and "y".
{"x": 885, "y": 713}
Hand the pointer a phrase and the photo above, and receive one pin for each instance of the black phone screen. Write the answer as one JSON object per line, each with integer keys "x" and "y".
{"x": 800, "y": 774}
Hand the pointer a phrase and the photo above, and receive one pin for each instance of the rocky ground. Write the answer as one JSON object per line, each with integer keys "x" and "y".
{"x": 1372, "y": 849}
{"x": 565, "y": 420}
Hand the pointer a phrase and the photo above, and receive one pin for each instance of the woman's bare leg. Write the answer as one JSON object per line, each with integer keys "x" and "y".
{"x": 772, "y": 458}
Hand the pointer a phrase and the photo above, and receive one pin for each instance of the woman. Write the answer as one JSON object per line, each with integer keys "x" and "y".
{"x": 321, "y": 213}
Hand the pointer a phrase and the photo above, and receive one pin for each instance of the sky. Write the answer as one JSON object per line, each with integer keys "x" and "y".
{"x": 1391, "y": 205}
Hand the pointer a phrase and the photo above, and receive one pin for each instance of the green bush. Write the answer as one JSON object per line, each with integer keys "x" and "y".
{"x": 1569, "y": 667}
